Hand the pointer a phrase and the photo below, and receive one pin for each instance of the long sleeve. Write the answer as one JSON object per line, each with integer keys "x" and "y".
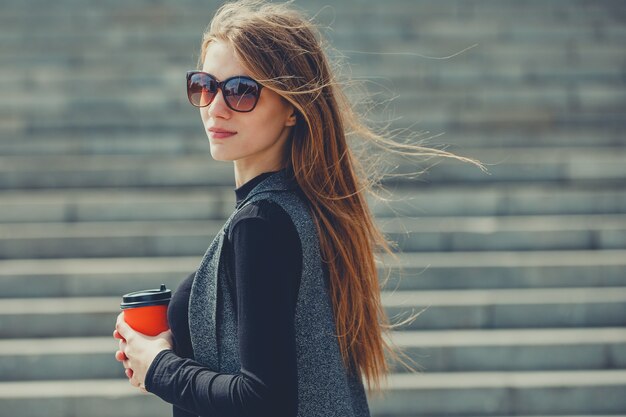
{"x": 267, "y": 264}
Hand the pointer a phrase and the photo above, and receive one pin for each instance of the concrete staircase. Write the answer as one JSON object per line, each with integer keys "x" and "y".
{"x": 107, "y": 186}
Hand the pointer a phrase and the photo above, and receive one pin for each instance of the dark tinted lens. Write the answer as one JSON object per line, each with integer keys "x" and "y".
{"x": 201, "y": 89}
{"x": 241, "y": 93}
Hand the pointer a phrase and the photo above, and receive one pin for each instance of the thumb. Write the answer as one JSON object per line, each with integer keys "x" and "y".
{"x": 124, "y": 329}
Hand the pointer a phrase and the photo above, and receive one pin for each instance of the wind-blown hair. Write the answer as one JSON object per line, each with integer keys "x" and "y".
{"x": 284, "y": 52}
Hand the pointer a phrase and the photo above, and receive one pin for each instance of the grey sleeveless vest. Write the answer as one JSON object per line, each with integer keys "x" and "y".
{"x": 325, "y": 387}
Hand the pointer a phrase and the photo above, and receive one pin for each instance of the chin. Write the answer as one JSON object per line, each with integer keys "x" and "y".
{"x": 221, "y": 158}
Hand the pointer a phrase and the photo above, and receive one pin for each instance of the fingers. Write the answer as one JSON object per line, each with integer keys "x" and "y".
{"x": 120, "y": 356}
{"x": 119, "y": 319}
{"x": 167, "y": 335}
{"x": 122, "y": 344}
{"x": 124, "y": 331}
{"x": 116, "y": 333}
{"x": 135, "y": 383}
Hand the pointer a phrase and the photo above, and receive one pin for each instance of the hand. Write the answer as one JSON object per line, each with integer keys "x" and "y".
{"x": 137, "y": 350}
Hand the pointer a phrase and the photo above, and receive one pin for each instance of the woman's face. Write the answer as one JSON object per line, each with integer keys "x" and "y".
{"x": 259, "y": 140}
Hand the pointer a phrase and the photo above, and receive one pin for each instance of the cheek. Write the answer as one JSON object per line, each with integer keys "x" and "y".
{"x": 269, "y": 116}
{"x": 204, "y": 116}
{"x": 266, "y": 130}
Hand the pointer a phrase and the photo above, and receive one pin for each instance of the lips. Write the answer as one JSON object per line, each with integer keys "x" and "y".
{"x": 217, "y": 133}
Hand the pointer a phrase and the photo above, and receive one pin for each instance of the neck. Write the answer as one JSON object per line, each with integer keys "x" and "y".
{"x": 244, "y": 174}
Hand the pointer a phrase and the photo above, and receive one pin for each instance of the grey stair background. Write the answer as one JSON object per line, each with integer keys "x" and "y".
{"x": 107, "y": 186}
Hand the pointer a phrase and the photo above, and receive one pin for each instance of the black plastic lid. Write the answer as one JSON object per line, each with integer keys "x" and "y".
{"x": 146, "y": 298}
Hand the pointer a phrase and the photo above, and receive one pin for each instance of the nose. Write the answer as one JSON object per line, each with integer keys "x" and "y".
{"x": 218, "y": 107}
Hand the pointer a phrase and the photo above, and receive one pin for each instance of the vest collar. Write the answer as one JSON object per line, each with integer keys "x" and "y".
{"x": 279, "y": 181}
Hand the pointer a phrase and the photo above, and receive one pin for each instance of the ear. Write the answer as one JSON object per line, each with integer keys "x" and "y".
{"x": 291, "y": 120}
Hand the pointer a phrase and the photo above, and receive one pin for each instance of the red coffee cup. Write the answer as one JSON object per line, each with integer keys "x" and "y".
{"x": 146, "y": 311}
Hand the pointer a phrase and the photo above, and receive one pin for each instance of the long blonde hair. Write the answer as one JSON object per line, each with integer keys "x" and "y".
{"x": 284, "y": 52}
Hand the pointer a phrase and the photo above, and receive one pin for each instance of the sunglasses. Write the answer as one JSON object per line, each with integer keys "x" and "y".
{"x": 240, "y": 93}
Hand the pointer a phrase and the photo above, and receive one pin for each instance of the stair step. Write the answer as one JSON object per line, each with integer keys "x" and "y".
{"x": 507, "y": 233}
{"x": 431, "y": 76}
{"x": 498, "y": 199}
{"x": 105, "y": 239}
{"x": 26, "y": 278}
{"x": 514, "y": 349}
{"x": 433, "y": 351}
{"x": 432, "y": 234}
{"x": 505, "y": 393}
{"x": 158, "y": 118}
{"x": 59, "y": 358}
{"x": 179, "y": 143}
{"x": 515, "y": 61}
{"x": 112, "y": 204}
{"x": 495, "y": 269}
{"x": 91, "y": 277}
{"x": 505, "y": 308}
{"x": 66, "y": 38}
{"x": 218, "y": 201}
{"x": 538, "y": 165}
{"x": 94, "y": 398}
{"x": 415, "y": 92}
{"x": 450, "y": 309}
{"x": 479, "y": 393}
{"x": 371, "y": 72}
{"x": 170, "y": 144}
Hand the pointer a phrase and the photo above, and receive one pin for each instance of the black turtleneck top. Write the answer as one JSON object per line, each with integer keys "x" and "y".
{"x": 267, "y": 265}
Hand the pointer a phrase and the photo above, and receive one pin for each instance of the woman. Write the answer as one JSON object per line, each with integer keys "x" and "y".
{"x": 284, "y": 316}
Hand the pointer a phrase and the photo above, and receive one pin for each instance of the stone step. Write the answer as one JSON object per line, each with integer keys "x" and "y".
{"x": 598, "y": 112}
{"x": 60, "y": 84}
{"x": 69, "y": 36}
{"x": 95, "y": 144}
{"x": 107, "y": 239}
{"x": 504, "y": 393}
{"x": 72, "y": 114}
{"x": 169, "y": 93}
{"x": 485, "y": 270}
{"x": 181, "y": 143}
{"x": 28, "y": 278}
{"x": 507, "y": 233}
{"x": 79, "y": 205}
{"x": 430, "y": 14}
{"x": 529, "y": 7}
{"x": 449, "y": 309}
{"x": 387, "y": 95}
{"x": 59, "y": 358}
{"x": 505, "y": 308}
{"x": 404, "y": 14}
{"x": 436, "y": 394}
{"x": 91, "y": 277}
{"x": 514, "y": 350}
{"x": 429, "y": 234}
{"x": 370, "y": 72}
{"x": 415, "y": 94}
{"x": 218, "y": 201}
{"x": 93, "y": 398}
{"x": 359, "y": 48}
{"x": 132, "y": 89}
{"x": 156, "y": 120}
{"x": 522, "y": 165}
{"x": 179, "y": 117}
{"x": 498, "y": 199}
{"x": 433, "y": 351}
